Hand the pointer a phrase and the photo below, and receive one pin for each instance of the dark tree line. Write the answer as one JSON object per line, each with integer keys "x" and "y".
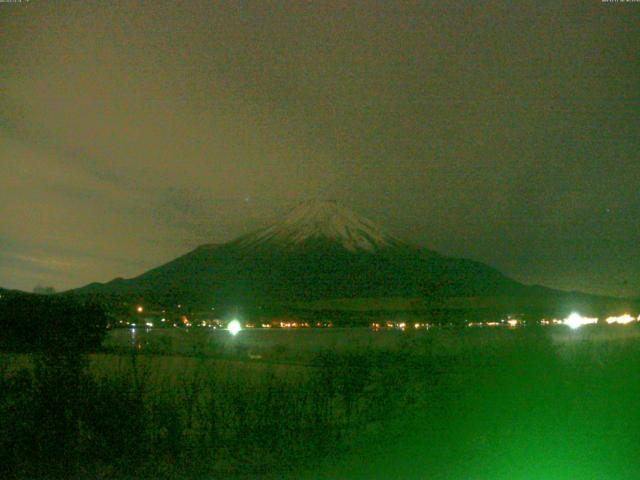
{"x": 43, "y": 408}
{"x": 50, "y": 324}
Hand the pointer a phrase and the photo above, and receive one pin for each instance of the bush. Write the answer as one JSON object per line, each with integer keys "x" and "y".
{"x": 50, "y": 325}
{"x": 59, "y": 421}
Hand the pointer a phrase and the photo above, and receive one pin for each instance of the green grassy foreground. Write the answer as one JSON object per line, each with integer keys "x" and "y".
{"x": 526, "y": 409}
{"x": 522, "y": 404}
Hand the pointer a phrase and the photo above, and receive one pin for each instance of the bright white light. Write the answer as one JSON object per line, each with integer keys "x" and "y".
{"x": 234, "y": 327}
{"x": 575, "y": 320}
{"x": 623, "y": 319}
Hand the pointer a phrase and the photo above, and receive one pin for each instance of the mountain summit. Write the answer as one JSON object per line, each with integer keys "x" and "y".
{"x": 322, "y": 220}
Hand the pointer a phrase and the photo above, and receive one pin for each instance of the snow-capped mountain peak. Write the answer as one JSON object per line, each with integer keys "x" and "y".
{"x": 323, "y": 220}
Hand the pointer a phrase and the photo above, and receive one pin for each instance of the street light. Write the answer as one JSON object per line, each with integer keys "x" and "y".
{"x": 234, "y": 327}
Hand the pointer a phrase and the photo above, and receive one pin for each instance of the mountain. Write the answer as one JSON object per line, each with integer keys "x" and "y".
{"x": 323, "y": 251}
{"x": 326, "y": 221}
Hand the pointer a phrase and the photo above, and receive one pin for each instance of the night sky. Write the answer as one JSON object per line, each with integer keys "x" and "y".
{"x": 507, "y": 132}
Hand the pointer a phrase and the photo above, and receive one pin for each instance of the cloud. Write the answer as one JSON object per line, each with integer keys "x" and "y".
{"x": 132, "y": 132}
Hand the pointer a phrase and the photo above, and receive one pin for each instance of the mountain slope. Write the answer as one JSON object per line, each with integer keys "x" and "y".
{"x": 319, "y": 250}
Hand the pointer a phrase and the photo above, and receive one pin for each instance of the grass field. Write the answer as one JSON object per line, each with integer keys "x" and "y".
{"x": 451, "y": 404}
{"x": 560, "y": 406}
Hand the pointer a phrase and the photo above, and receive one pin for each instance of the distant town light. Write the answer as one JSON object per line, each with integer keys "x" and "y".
{"x": 575, "y": 320}
{"x": 140, "y": 309}
{"x": 622, "y": 319}
{"x": 234, "y": 327}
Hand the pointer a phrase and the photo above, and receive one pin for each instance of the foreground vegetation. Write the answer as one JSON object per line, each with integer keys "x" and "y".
{"x": 115, "y": 417}
{"x": 524, "y": 403}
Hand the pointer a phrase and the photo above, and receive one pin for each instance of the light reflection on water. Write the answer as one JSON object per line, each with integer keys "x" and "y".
{"x": 312, "y": 340}
{"x": 181, "y": 341}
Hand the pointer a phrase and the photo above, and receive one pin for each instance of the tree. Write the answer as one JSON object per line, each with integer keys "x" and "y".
{"x": 50, "y": 324}
{"x": 40, "y": 290}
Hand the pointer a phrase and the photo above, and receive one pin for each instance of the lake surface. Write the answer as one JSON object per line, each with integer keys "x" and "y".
{"x": 282, "y": 344}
